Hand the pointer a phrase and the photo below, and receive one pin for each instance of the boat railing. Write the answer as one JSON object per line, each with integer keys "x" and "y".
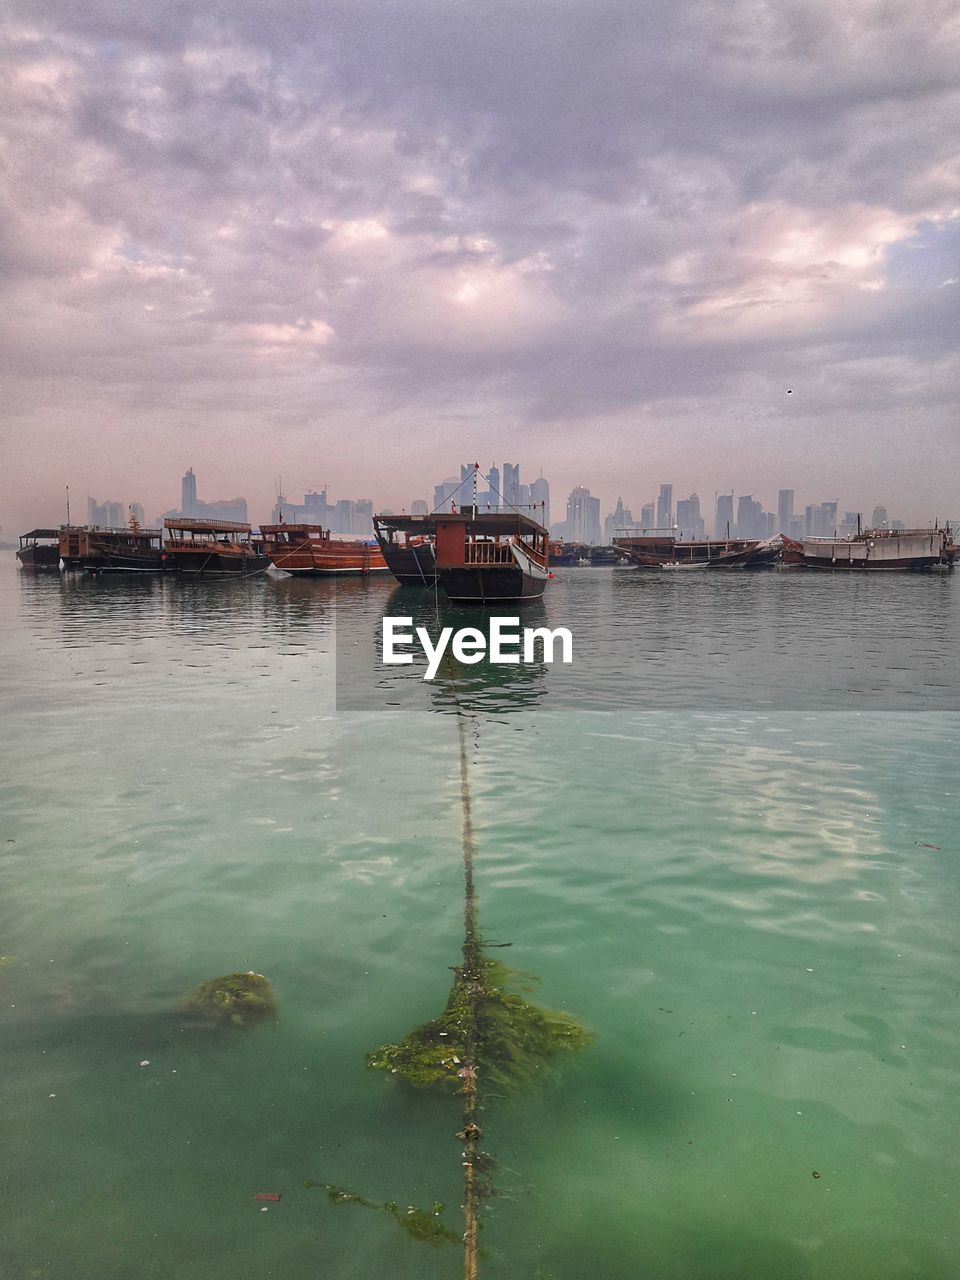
{"x": 488, "y": 553}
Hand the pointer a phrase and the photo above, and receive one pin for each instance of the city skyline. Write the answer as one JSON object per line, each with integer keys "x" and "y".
{"x": 717, "y": 244}
{"x": 586, "y": 515}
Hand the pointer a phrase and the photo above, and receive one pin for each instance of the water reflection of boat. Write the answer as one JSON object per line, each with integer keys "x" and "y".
{"x": 407, "y": 546}
{"x": 215, "y": 548}
{"x": 309, "y": 550}
{"x": 491, "y": 558}
{"x": 40, "y": 549}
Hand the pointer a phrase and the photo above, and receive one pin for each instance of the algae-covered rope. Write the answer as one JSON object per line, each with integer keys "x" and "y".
{"x": 473, "y": 977}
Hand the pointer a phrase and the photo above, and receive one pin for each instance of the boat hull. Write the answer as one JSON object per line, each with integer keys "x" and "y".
{"x": 490, "y": 584}
{"x": 39, "y": 557}
{"x": 411, "y": 566}
{"x": 871, "y": 552}
{"x": 213, "y": 564}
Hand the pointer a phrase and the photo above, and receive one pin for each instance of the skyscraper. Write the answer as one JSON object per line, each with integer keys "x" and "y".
{"x": 665, "y": 507}
{"x": 188, "y": 494}
{"x": 724, "y": 525}
{"x": 493, "y": 487}
{"x": 511, "y": 483}
{"x": 443, "y": 493}
{"x": 749, "y": 518}
{"x": 784, "y": 509}
{"x": 583, "y": 516}
{"x": 689, "y": 520}
{"x": 540, "y": 497}
{"x": 418, "y": 507}
{"x": 648, "y": 515}
{"x": 618, "y": 519}
{"x": 879, "y": 519}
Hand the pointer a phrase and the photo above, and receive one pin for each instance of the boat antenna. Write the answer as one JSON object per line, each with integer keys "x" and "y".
{"x": 68, "y": 505}
{"x": 476, "y": 473}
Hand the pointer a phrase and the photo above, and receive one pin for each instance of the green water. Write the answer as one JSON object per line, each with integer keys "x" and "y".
{"x": 706, "y": 838}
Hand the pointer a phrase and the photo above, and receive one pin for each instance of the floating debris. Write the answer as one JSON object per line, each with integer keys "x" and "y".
{"x": 237, "y": 999}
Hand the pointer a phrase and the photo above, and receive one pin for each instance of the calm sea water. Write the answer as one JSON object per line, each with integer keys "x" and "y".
{"x": 709, "y": 838}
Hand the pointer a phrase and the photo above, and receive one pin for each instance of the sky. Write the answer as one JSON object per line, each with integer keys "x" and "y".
{"x": 709, "y": 243}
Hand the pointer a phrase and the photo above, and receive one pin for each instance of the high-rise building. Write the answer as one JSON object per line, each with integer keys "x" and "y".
{"x": 879, "y": 519}
{"x": 418, "y": 507}
{"x": 106, "y": 515}
{"x": 137, "y": 513}
{"x": 665, "y": 507}
{"x": 784, "y": 509}
{"x": 750, "y": 522}
{"x": 648, "y": 515}
{"x": 493, "y": 487}
{"x": 724, "y": 522}
{"x": 583, "y": 516}
{"x": 540, "y": 498}
{"x": 620, "y": 518}
{"x": 689, "y": 520}
{"x": 188, "y": 494}
{"x": 511, "y": 484}
{"x": 443, "y": 494}
{"x": 363, "y": 517}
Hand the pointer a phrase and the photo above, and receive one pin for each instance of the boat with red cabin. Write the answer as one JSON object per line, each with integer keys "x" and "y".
{"x": 495, "y": 557}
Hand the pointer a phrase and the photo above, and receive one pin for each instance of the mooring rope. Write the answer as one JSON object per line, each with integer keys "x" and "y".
{"x": 473, "y": 976}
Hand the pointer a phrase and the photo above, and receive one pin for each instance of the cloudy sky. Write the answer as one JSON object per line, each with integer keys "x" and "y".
{"x": 715, "y": 243}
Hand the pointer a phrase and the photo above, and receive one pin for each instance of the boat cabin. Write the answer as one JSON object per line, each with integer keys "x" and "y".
{"x": 465, "y": 539}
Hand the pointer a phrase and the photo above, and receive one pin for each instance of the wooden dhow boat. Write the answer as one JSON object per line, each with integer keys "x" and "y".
{"x": 655, "y": 549}
{"x": 129, "y": 550}
{"x": 40, "y": 549}
{"x": 491, "y": 557}
{"x": 309, "y": 550}
{"x": 875, "y": 550}
{"x": 212, "y": 548}
{"x": 407, "y": 545}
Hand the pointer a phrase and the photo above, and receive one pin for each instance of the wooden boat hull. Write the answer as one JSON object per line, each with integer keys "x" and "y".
{"x": 213, "y": 564}
{"x": 411, "y": 566}
{"x": 115, "y": 562}
{"x": 917, "y": 552}
{"x": 308, "y": 551}
{"x": 490, "y": 584}
{"x": 41, "y": 557}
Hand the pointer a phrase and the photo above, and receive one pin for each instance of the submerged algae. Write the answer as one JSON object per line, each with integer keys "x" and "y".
{"x": 236, "y": 999}
{"x": 419, "y": 1224}
{"x": 512, "y": 1039}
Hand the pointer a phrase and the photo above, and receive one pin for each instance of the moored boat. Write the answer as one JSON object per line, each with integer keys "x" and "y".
{"x": 40, "y": 549}
{"x": 492, "y": 558}
{"x": 654, "y": 549}
{"x": 875, "y": 550}
{"x": 214, "y": 548}
{"x": 130, "y": 550}
{"x": 407, "y": 545}
{"x": 309, "y": 550}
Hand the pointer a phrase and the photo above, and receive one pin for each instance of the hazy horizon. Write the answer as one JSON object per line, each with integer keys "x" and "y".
{"x": 628, "y": 244}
